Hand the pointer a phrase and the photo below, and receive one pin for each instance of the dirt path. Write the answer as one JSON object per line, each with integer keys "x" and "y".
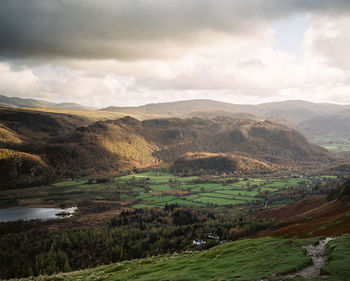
{"x": 319, "y": 260}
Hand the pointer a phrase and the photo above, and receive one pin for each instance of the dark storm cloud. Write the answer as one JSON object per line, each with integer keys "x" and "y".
{"x": 133, "y": 29}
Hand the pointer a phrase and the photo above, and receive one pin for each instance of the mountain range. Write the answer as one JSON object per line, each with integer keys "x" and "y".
{"x": 312, "y": 119}
{"x": 36, "y": 146}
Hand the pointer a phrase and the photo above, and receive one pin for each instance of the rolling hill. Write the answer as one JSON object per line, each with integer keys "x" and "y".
{"x": 327, "y": 125}
{"x": 312, "y": 119}
{"x": 14, "y": 102}
{"x": 294, "y": 111}
{"x": 28, "y": 124}
{"x": 214, "y": 163}
{"x": 167, "y": 139}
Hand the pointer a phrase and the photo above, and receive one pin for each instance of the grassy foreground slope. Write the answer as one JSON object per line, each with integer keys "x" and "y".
{"x": 248, "y": 259}
{"x": 339, "y": 259}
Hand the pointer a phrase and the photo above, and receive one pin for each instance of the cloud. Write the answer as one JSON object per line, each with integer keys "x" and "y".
{"x": 328, "y": 40}
{"x": 135, "y": 30}
{"x": 237, "y": 71}
{"x": 62, "y": 84}
{"x": 132, "y": 52}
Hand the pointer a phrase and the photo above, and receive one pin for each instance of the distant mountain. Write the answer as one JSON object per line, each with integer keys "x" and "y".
{"x": 294, "y": 111}
{"x": 15, "y": 102}
{"x": 330, "y": 125}
{"x": 71, "y": 106}
{"x": 19, "y": 102}
{"x": 187, "y": 108}
{"x": 312, "y": 119}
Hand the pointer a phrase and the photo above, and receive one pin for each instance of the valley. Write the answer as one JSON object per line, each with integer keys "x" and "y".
{"x": 156, "y": 190}
{"x": 177, "y": 140}
{"x": 148, "y": 213}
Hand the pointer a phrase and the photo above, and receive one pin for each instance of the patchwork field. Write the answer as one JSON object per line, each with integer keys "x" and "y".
{"x": 186, "y": 192}
{"x": 155, "y": 189}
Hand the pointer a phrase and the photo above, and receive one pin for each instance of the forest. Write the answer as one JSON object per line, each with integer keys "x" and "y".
{"x": 30, "y": 251}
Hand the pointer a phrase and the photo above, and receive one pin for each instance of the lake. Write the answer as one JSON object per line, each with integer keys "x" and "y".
{"x": 29, "y": 213}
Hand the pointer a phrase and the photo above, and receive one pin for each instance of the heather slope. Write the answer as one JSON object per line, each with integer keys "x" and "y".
{"x": 312, "y": 217}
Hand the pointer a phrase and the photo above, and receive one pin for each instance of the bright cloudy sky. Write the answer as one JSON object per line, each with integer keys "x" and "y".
{"x": 133, "y": 52}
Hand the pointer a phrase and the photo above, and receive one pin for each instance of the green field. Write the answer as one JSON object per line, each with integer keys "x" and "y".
{"x": 235, "y": 192}
{"x": 69, "y": 183}
{"x": 205, "y": 193}
{"x": 153, "y": 189}
{"x": 335, "y": 144}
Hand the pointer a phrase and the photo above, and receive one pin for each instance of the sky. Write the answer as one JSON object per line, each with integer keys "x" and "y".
{"x": 134, "y": 52}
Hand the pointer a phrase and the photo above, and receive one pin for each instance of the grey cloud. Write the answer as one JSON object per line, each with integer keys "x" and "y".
{"x": 133, "y": 29}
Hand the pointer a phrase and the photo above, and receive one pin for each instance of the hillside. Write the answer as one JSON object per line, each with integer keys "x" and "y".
{"x": 167, "y": 139}
{"x": 249, "y": 259}
{"x": 296, "y": 111}
{"x": 18, "y": 168}
{"x": 312, "y": 119}
{"x": 328, "y": 125}
{"x": 214, "y": 163}
{"x": 265, "y": 140}
{"x": 314, "y": 216}
{"x": 28, "y": 124}
{"x": 76, "y": 147}
{"x": 35, "y": 136}
{"x": 183, "y": 108}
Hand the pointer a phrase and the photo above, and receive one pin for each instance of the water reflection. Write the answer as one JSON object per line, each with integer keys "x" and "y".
{"x": 29, "y": 213}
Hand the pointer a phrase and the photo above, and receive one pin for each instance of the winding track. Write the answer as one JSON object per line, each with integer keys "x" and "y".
{"x": 319, "y": 260}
